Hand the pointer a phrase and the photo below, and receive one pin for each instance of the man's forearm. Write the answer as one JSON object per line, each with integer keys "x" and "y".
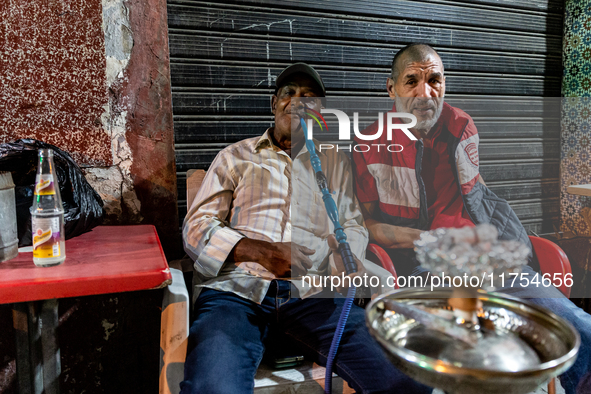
{"x": 276, "y": 257}
{"x": 389, "y": 236}
{"x": 251, "y": 250}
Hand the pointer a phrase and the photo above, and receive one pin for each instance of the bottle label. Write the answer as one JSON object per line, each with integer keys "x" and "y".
{"x": 44, "y": 185}
{"x": 46, "y": 237}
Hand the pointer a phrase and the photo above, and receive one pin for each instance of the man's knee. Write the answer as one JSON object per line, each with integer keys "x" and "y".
{"x": 225, "y": 333}
{"x": 222, "y": 361}
{"x": 225, "y": 346}
{"x": 225, "y": 316}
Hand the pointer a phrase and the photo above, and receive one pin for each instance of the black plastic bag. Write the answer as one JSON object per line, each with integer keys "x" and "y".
{"x": 83, "y": 207}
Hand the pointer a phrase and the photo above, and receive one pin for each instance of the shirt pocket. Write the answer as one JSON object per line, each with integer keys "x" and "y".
{"x": 309, "y": 218}
{"x": 320, "y": 223}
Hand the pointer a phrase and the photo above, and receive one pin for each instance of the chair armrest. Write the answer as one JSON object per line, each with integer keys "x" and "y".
{"x": 552, "y": 260}
{"x": 383, "y": 259}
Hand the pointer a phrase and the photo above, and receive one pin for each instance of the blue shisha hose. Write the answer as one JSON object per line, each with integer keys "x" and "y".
{"x": 344, "y": 250}
{"x": 336, "y": 339}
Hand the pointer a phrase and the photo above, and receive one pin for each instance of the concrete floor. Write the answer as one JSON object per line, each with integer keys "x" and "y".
{"x": 308, "y": 378}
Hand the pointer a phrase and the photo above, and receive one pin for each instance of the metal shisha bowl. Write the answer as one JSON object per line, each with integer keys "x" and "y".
{"x": 424, "y": 354}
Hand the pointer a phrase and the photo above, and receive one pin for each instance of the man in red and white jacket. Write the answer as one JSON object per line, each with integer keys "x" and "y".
{"x": 435, "y": 182}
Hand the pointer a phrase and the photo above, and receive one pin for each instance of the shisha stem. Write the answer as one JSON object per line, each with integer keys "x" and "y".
{"x": 330, "y": 205}
{"x": 344, "y": 250}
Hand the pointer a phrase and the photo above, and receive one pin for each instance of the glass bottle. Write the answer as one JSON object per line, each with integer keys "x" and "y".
{"x": 47, "y": 215}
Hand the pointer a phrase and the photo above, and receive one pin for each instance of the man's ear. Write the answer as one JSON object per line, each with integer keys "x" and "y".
{"x": 274, "y": 104}
{"x": 390, "y": 86}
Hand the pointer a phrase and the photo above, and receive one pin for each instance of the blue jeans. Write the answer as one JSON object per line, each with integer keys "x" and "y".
{"x": 552, "y": 299}
{"x": 226, "y": 342}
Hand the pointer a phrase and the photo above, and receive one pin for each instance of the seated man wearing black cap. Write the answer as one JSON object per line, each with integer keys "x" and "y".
{"x": 239, "y": 232}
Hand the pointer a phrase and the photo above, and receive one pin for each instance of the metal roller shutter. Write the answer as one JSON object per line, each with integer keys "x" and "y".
{"x": 225, "y": 56}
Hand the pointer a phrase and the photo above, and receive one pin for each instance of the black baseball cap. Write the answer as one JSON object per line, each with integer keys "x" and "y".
{"x": 302, "y": 68}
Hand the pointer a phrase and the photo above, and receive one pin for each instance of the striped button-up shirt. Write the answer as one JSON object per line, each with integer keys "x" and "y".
{"x": 253, "y": 189}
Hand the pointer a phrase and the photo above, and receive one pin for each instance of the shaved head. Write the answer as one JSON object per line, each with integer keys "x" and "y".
{"x": 413, "y": 53}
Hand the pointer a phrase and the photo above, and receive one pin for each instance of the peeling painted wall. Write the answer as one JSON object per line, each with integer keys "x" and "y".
{"x": 149, "y": 121}
{"x": 140, "y": 186}
{"x": 145, "y": 94}
{"x": 114, "y": 183}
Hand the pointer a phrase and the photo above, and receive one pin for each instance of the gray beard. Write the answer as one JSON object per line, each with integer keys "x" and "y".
{"x": 424, "y": 125}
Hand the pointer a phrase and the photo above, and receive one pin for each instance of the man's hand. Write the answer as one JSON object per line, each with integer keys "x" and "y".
{"x": 387, "y": 235}
{"x": 340, "y": 266}
{"x": 282, "y": 259}
{"x": 289, "y": 259}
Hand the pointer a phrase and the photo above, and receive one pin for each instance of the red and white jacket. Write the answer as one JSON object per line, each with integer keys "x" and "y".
{"x": 396, "y": 177}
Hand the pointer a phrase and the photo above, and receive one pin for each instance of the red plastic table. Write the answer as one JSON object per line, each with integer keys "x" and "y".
{"x": 108, "y": 259}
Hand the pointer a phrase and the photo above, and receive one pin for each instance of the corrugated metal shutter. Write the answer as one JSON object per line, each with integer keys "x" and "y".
{"x": 225, "y": 57}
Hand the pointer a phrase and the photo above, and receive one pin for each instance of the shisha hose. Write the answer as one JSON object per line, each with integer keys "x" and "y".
{"x": 344, "y": 250}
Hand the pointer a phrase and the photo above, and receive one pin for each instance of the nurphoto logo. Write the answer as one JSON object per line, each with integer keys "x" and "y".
{"x": 344, "y": 122}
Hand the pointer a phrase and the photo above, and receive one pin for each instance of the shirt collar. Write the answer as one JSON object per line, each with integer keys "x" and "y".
{"x": 266, "y": 141}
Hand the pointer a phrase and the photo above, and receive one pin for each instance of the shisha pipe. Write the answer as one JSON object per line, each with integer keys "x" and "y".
{"x": 344, "y": 249}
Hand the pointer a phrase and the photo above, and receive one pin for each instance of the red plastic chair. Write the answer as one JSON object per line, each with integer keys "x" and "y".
{"x": 551, "y": 257}
{"x": 379, "y": 256}
{"x": 552, "y": 260}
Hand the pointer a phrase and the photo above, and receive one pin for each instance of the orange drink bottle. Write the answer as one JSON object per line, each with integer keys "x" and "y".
{"x": 47, "y": 215}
